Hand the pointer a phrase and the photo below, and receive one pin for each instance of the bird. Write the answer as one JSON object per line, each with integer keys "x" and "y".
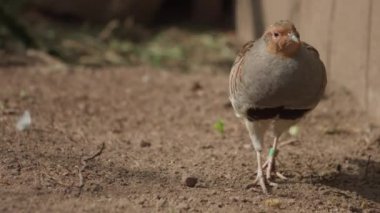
{"x": 274, "y": 82}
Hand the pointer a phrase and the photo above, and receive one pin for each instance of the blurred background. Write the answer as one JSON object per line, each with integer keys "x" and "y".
{"x": 178, "y": 35}
{"x": 192, "y": 35}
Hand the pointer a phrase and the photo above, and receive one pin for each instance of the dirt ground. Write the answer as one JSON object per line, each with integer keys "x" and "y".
{"x": 157, "y": 127}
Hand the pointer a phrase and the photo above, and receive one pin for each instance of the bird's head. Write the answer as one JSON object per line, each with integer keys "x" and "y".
{"x": 282, "y": 38}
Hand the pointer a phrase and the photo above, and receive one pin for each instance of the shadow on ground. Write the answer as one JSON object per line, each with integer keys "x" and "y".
{"x": 360, "y": 176}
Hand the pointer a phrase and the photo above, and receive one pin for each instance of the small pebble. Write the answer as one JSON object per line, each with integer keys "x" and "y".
{"x": 249, "y": 186}
{"x": 145, "y": 144}
{"x": 234, "y": 199}
{"x": 161, "y": 203}
{"x": 141, "y": 201}
{"x": 196, "y": 86}
{"x": 190, "y": 181}
{"x": 183, "y": 206}
{"x": 338, "y": 168}
{"x": 182, "y": 197}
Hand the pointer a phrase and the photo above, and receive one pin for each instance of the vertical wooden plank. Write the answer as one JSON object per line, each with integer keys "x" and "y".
{"x": 244, "y": 22}
{"x": 374, "y": 64}
{"x": 315, "y": 26}
{"x": 349, "y": 46}
{"x": 275, "y": 10}
{"x": 253, "y": 16}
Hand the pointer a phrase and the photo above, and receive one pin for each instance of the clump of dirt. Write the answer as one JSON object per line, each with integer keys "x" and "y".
{"x": 157, "y": 127}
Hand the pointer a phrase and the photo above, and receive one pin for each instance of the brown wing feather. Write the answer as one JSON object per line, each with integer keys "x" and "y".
{"x": 246, "y": 47}
{"x": 310, "y": 48}
{"x": 236, "y": 70}
{"x": 315, "y": 51}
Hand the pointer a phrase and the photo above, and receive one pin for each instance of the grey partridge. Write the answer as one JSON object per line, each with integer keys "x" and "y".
{"x": 275, "y": 80}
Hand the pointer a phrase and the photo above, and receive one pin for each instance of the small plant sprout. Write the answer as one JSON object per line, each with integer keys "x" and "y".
{"x": 219, "y": 126}
{"x": 23, "y": 94}
{"x": 294, "y": 130}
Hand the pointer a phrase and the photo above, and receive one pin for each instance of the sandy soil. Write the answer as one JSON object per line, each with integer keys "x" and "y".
{"x": 157, "y": 128}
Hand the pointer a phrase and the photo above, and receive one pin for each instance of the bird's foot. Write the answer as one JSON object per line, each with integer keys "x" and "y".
{"x": 261, "y": 180}
{"x": 271, "y": 169}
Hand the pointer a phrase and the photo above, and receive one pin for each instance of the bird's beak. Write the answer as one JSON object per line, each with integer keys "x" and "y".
{"x": 294, "y": 38}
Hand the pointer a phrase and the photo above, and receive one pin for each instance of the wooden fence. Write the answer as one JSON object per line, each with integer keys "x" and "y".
{"x": 346, "y": 33}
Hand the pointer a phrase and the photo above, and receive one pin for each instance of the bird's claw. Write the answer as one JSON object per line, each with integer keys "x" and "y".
{"x": 263, "y": 181}
{"x": 260, "y": 180}
{"x": 270, "y": 165}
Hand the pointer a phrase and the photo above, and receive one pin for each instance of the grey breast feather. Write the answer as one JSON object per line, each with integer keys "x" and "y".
{"x": 271, "y": 81}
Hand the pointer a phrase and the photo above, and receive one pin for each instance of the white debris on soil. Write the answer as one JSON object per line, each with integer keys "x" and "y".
{"x": 24, "y": 121}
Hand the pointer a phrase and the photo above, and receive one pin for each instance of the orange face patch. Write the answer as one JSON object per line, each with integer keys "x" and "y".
{"x": 278, "y": 39}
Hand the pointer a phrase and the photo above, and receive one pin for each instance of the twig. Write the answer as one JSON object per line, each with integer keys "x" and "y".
{"x": 56, "y": 180}
{"x": 366, "y": 167}
{"x": 84, "y": 165}
{"x": 288, "y": 142}
{"x": 45, "y": 174}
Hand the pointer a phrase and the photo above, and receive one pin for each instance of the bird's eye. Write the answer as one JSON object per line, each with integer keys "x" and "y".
{"x": 276, "y": 35}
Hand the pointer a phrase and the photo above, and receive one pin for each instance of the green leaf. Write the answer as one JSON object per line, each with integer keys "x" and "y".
{"x": 294, "y": 130}
{"x": 219, "y": 126}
